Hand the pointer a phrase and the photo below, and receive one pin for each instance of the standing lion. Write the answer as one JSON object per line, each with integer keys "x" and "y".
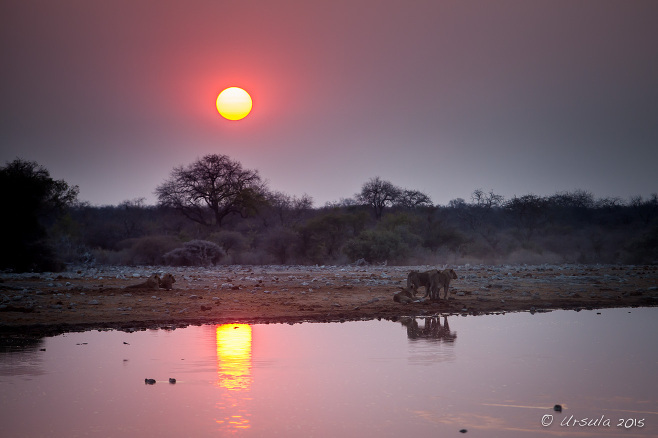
{"x": 441, "y": 279}
{"x": 417, "y": 279}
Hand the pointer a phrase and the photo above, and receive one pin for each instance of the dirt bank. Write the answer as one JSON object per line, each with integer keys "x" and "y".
{"x": 96, "y": 298}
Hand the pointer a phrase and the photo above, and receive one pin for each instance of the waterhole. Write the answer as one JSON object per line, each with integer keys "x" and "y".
{"x": 487, "y": 376}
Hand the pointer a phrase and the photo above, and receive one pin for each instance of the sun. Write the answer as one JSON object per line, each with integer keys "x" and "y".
{"x": 234, "y": 103}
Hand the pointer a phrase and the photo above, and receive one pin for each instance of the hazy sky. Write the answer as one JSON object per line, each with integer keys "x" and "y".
{"x": 515, "y": 96}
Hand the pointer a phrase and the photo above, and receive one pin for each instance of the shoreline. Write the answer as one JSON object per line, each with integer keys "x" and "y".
{"x": 96, "y": 298}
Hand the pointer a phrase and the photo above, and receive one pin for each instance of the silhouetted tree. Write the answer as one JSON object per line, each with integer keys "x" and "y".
{"x": 575, "y": 199}
{"x": 570, "y": 207}
{"x": 528, "y": 212}
{"x": 281, "y": 243}
{"x": 436, "y": 234}
{"x": 212, "y": 188}
{"x": 486, "y": 200}
{"x": 322, "y": 237}
{"x": 287, "y": 210}
{"x": 376, "y": 245}
{"x": 413, "y": 199}
{"x": 457, "y": 203}
{"x": 479, "y": 216}
{"x": 33, "y": 201}
{"x": 645, "y": 209}
{"x": 379, "y": 194}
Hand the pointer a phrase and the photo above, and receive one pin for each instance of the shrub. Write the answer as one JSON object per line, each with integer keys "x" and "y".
{"x": 232, "y": 242}
{"x": 194, "y": 253}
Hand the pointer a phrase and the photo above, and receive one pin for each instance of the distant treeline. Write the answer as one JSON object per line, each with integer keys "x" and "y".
{"x": 249, "y": 224}
{"x": 563, "y": 228}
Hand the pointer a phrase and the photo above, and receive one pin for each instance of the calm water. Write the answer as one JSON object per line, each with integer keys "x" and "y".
{"x": 494, "y": 376}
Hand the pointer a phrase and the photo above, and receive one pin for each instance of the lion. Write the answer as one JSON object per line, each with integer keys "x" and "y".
{"x": 153, "y": 282}
{"x": 167, "y": 281}
{"x": 417, "y": 279}
{"x": 404, "y": 296}
{"x": 441, "y": 279}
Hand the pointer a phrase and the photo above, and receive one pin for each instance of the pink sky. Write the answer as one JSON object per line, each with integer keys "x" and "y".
{"x": 441, "y": 96}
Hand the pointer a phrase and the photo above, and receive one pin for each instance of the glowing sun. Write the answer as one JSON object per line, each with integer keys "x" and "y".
{"x": 234, "y": 103}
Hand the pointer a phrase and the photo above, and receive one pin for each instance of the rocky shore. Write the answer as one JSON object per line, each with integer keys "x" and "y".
{"x": 88, "y": 298}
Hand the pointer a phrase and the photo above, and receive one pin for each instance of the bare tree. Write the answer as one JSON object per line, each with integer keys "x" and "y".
{"x": 486, "y": 200}
{"x": 457, "y": 203}
{"x": 212, "y": 188}
{"x": 645, "y": 209}
{"x": 379, "y": 194}
{"x": 288, "y": 210}
{"x": 577, "y": 199}
{"x": 413, "y": 199}
{"x": 480, "y": 216}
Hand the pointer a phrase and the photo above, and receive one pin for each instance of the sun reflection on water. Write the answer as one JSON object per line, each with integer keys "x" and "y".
{"x": 234, "y": 375}
{"x": 234, "y": 356}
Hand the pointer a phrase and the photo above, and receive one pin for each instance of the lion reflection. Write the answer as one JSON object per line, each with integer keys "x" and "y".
{"x": 431, "y": 328}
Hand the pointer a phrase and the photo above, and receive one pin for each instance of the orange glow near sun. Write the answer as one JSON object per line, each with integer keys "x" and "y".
{"x": 234, "y": 103}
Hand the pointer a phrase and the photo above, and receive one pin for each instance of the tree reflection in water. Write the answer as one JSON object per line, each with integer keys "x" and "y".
{"x": 234, "y": 374}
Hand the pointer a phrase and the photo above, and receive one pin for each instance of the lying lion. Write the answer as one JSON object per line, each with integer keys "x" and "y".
{"x": 153, "y": 282}
{"x": 404, "y": 296}
{"x": 167, "y": 281}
